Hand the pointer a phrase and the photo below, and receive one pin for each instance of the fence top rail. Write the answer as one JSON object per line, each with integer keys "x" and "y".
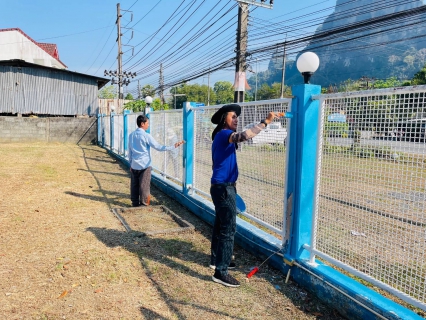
{"x": 374, "y": 92}
{"x": 250, "y": 103}
{"x": 166, "y": 111}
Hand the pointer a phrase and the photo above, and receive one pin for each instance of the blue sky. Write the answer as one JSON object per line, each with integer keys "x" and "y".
{"x": 85, "y": 30}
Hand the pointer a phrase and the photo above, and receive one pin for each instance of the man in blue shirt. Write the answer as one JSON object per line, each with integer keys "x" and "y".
{"x": 139, "y": 146}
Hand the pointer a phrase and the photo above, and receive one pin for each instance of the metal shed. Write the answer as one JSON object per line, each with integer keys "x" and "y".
{"x": 27, "y": 88}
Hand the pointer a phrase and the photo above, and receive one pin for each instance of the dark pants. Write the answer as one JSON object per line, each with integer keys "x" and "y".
{"x": 222, "y": 247}
{"x": 140, "y": 186}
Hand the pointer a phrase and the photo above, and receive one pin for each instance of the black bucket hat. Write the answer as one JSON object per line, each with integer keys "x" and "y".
{"x": 226, "y": 108}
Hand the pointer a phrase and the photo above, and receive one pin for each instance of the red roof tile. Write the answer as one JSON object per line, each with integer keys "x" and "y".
{"x": 50, "y": 48}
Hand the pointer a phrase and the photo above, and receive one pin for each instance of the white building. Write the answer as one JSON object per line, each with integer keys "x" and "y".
{"x": 16, "y": 45}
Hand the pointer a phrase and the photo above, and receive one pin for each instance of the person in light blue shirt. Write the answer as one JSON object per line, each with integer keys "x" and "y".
{"x": 139, "y": 146}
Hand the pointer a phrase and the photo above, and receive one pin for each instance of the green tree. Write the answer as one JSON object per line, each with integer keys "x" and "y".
{"x": 157, "y": 105}
{"x": 107, "y": 93}
{"x": 420, "y": 77}
{"x": 128, "y": 97}
{"x": 135, "y": 105}
{"x": 387, "y": 83}
{"x": 267, "y": 92}
{"x": 148, "y": 90}
{"x": 224, "y": 91}
{"x": 140, "y": 105}
{"x": 192, "y": 92}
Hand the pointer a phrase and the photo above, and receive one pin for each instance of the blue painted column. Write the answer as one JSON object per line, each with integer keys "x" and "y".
{"x": 99, "y": 137}
{"x": 111, "y": 131}
{"x": 303, "y": 154}
{"x": 125, "y": 130}
{"x": 188, "y": 136}
{"x": 102, "y": 133}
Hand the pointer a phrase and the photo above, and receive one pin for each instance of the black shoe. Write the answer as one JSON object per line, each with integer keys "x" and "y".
{"x": 226, "y": 280}
{"x": 136, "y": 204}
{"x": 231, "y": 266}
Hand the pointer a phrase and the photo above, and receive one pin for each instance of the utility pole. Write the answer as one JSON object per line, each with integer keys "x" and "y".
{"x": 283, "y": 72}
{"x": 161, "y": 84}
{"x": 119, "y": 69}
{"x": 255, "y": 93}
{"x": 139, "y": 91}
{"x": 241, "y": 50}
{"x": 240, "y": 65}
{"x": 208, "y": 89}
{"x": 122, "y": 77}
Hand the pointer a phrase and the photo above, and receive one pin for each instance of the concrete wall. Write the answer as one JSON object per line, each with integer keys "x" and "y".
{"x": 58, "y": 129}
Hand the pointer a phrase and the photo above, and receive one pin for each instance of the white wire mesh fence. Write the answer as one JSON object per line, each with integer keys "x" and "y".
{"x": 106, "y": 132}
{"x": 166, "y": 127}
{"x": 371, "y": 189}
{"x": 371, "y": 197}
{"x": 261, "y": 160}
{"x": 118, "y": 137}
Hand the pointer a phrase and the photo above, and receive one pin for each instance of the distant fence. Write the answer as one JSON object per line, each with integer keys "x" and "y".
{"x": 323, "y": 187}
{"x": 106, "y": 106}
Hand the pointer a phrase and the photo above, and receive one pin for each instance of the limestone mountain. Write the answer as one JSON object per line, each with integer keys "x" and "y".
{"x": 372, "y": 38}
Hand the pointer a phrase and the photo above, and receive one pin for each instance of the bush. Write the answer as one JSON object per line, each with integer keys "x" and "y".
{"x": 376, "y": 152}
{"x": 336, "y": 129}
{"x": 335, "y": 149}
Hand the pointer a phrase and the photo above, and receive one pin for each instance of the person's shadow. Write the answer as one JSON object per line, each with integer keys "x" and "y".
{"x": 160, "y": 250}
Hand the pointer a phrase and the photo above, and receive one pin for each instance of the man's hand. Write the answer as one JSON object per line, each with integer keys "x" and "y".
{"x": 177, "y": 144}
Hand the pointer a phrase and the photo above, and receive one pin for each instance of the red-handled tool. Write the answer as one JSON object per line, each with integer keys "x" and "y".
{"x": 256, "y": 269}
{"x": 252, "y": 272}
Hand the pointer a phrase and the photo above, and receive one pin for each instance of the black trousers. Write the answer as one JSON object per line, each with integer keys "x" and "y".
{"x": 140, "y": 187}
{"x": 225, "y": 222}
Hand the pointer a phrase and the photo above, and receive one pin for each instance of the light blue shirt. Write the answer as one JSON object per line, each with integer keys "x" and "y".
{"x": 140, "y": 143}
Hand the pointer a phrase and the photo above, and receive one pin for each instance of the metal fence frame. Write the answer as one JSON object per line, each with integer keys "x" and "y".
{"x": 316, "y": 233}
{"x": 298, "y": 228}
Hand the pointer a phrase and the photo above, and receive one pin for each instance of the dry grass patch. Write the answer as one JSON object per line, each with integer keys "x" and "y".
{"x": 64, "y": 255}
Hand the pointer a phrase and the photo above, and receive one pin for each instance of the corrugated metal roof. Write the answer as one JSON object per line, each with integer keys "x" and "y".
{"x": 21, "y": 63}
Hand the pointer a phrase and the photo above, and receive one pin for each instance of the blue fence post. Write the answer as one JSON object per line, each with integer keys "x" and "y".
{"x": 111, "y": 131}
{"x": 188, "y": 136}
{"x": 125, "y": 130}
{"x": 303, "y": 153}
{"x": 99, "y": 137}
{"x": 103, "y": 131}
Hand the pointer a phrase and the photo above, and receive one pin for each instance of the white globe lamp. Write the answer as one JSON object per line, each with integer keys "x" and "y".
{"x": 148, "y": 100}
{"x": 307, "y": 64}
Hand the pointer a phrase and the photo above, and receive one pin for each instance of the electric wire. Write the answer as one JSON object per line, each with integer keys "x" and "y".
{"x": 157, "y": 45}
{"x": 155, "y": 63}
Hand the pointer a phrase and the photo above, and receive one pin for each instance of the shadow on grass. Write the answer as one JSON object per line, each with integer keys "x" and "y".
{"x": 111, "y": 202}
{"x": 164, "y": 251}
{"x": 161, "y": 251}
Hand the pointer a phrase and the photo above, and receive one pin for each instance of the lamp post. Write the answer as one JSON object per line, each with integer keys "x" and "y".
{"x": 255, "y": 93}
{"x": 148, "y": 101}
{"x": 307, "y": 64}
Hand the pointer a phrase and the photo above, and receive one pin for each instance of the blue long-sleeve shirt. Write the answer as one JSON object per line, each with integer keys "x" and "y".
{"x": 225, "y": 168}
{"x": 139, "y": 146}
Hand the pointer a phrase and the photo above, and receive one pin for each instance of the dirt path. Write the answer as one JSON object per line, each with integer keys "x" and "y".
{"x": 64, "y": 255}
